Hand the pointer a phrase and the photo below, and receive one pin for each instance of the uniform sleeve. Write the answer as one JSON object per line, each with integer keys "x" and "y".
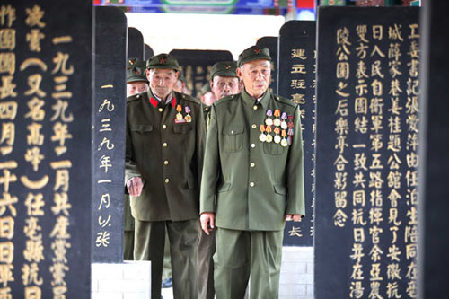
{"x": 210, "y": 168}
{"x": 200, "y": 143}
{"x": 295, "y": 170}
{"x": 131, "y": 169}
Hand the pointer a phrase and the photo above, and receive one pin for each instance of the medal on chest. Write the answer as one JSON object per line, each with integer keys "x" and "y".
{"x": 277, "y": 120}
{"x": 269, "y": 137}
{"x": 277, "y": 137}
{"x": 262, "y": 136}
{"x": 269, "y": 120}
{"x": 188, "y": 118}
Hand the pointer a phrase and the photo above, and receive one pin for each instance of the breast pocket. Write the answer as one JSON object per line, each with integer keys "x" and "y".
{"x": 271, "y": 148}
{"x": 141, "y": 129}
{"x": 182, "y": 128}
{"x": 233, "y": 140}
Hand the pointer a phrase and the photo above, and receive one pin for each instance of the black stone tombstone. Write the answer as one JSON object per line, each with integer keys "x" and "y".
{"x": 45, "y": 145}
{"x": 271, "y": 43}
{"x": 109, "y": 134}
{"x": 136, "y": 45}
{"x": 196, "y": 65}
{"x": 149, "y": 52}
{"x": 433, "y": 145}
{"x": 296, "y": 81}
{"x": 366, "y": 220}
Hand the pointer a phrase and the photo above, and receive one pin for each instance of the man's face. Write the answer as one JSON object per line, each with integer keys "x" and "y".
{"x": 162, "y": 81}
{"x": 224, "y": 85}
{"x": 178, "y": 86}
{"x": 136, "y": 87}
{"x": 255, "y": 76}
{"x": 208, "y": 98}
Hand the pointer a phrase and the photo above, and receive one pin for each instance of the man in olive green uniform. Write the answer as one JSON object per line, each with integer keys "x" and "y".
{"x": 136, "y": 83}
{"x": 252, "y": 181}
{"x": 164, "y": 157}
{"x": 223, "y": 82}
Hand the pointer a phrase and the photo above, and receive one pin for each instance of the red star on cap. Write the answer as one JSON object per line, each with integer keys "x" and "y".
{"x": 227, "y": 67}
{"x": 257, "y": 51}
{"x": 163, "y": 60}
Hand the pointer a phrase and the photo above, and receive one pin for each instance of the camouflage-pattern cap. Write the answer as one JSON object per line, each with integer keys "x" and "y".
{"x": 225, "y": 68}
{"x": 253, "y": 53}
{"x": 136, "y": 71}
{"x": 163, "y": 61}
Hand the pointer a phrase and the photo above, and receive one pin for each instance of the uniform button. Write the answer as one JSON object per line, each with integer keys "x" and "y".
{"x": 253, "y": 164}
{"x": 166, "y": 181}
{"x": 254, "y": 126}
{"x": 255, "y": 107}
{"x": 161, "y": 109}
{"x": 165, "y": 162}
{"x": 164, "y": 126}
{"x": 164, "y": 144}
{"x": 252, "y": 184}
{"x": 253, "y": 145}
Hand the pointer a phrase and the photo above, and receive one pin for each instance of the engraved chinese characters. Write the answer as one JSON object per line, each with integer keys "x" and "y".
{"x": 367, "y": 134}
{"x": 45, "y": 141}
{"x": 296, "y": 81}
{"x": 109, "y": 129}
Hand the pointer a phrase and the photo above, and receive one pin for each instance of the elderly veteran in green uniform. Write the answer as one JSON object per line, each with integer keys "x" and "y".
{"x": 136, "y": 83}
{"x": 252, "y": 181}
{"x": 223, "y": 82}
{"x": 164, "y": 158}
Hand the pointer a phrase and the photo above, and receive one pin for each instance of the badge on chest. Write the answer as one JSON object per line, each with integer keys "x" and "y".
{"x": 182, "y": 117}
{"x": 278, "y": 127}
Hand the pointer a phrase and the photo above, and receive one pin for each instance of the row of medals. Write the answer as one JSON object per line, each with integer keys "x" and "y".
{"x": 180, "y": 118}
{"x": 283, "y": 130}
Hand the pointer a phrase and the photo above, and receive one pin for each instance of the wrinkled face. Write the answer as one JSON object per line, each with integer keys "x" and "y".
{"x": 208, "y": 98}
{"x": 162, "y": 81}
{"x": 224, "y": 85}
{"x": 136, "y": 87}
{"x": 255, "y": 76}
{"x": 178, "y": 86}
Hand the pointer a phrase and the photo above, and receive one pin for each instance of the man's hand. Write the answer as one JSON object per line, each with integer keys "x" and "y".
{"x": 207, "y": 221}
{"x": 135, "y": 186}
{"x": 294, "y": 217}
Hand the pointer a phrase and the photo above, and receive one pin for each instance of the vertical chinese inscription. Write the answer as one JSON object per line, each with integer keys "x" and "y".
{"x": 108, "y": 152}
{"x": 374, "y": 155}
{"x": 37, "y": 73}
{"x": 296, "y": 81}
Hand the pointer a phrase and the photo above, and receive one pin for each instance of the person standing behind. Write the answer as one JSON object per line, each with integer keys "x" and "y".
{"x": 136, "y": 83}
{"x": 253, "y": 181}
{"x": 223, "y": 82}
{"x": 164, "y": 158}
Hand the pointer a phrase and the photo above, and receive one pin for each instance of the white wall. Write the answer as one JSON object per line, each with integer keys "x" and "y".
{"x": 166, "y": 31}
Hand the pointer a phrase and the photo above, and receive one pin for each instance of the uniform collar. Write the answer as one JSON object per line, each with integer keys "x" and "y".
{"x": 154, "y": 100}
{"x": 248, "y": 99}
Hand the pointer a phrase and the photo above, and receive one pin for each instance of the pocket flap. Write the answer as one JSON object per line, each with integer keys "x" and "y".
{"x": 233, "y": 131}
{"x": 280, "y": 189}
{"x": 141, "y": 128}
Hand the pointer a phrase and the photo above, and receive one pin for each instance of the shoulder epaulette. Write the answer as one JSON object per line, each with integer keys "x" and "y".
{"x": 133, "y": 98}
{"x": 227, "y": 99}
{"x": 285, "y": 101}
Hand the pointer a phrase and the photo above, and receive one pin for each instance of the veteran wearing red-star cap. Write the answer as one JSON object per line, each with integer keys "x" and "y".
{"x": 252, "y": 181}
{"x": 164, "y": 156}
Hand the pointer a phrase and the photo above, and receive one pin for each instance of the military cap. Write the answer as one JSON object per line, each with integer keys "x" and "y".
{"x": 163, "y": 61}
{"x": 136, "y": 71}
{"x": 181, "y": 77}
{"x": 205, "y": 89}
{"x": 225, "y": 68}
{"x": 253, "y": 53}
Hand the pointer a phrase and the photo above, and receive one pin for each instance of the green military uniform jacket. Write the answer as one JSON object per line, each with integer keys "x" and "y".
{"x": 249, "y": 184}
{"x": 166, "y": 154}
